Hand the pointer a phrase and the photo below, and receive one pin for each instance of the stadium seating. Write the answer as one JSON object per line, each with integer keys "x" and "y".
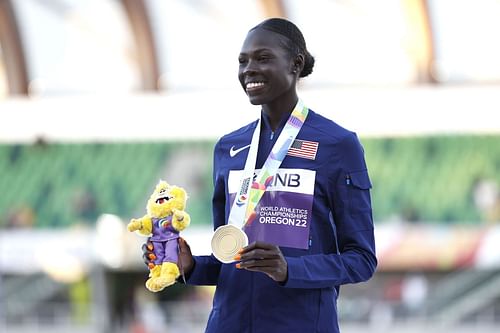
{"x": 67, "y": 184}
{"x": 431, "y": 179}
{"x": 415, "y": 179}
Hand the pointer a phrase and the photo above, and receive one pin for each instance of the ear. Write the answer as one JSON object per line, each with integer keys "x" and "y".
{"x": 298, "y": 63}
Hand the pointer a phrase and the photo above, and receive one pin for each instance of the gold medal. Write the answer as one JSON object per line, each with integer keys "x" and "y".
{"x": 227, "y": 241}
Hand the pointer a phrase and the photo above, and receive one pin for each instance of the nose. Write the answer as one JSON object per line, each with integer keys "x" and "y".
{"x": 249, "y": 68}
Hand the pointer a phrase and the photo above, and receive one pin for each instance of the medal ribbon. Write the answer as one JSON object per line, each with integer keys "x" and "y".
{"x": 248, "y": 196}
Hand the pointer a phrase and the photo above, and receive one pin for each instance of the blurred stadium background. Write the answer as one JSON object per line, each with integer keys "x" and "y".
{"x": 101, "y": 98}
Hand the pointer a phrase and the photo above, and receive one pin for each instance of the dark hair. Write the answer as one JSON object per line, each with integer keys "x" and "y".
{"x": 294, "y": 41}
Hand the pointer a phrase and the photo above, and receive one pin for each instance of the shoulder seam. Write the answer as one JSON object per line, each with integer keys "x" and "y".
{"x": 327, "y": 133}
{"x": 239, "y": 131}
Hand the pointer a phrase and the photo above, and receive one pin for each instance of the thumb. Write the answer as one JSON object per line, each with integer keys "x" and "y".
{"x": 184, "y": 246}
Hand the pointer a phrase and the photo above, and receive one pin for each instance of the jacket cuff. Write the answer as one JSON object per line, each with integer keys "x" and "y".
{"x": 184, "y": 278}
{"x": 193, "y": 276}
{"x": 295, "y": 272}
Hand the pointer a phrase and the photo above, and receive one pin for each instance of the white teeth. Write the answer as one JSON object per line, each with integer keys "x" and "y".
{"x": 252, "y": 85}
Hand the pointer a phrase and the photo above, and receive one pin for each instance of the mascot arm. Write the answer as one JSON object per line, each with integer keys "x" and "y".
{"x": 180, "y": 220}
{"x": 144, "y": 225}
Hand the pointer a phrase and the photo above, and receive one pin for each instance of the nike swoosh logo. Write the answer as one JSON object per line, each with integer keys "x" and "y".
{"x": 233, "y": 152}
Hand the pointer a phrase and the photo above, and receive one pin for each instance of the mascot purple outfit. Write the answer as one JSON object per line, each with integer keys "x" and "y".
{"x": 164, "y": 241}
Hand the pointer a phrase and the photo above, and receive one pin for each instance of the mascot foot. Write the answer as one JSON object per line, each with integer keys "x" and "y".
{"x": 154, "y": 273}
{"x": 169, "y": 273}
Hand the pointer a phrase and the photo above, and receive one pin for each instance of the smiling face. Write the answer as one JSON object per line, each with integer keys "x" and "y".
{"x": 266, "y": 68}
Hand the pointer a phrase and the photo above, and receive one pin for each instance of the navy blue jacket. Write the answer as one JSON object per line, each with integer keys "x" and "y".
{"x": 341, "y": 240}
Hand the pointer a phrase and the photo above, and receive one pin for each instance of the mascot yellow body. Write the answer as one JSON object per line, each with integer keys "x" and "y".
{"x": 164, "y": 220}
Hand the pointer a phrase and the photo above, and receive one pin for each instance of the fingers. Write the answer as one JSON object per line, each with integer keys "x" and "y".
{"x": 259, "y": 250}
{"x": 260, "y": 264}
{"x": 258, "y": 245}
{"x": 263, "y": 257}
{"x": 147, "y": 254}
{"x": 276, "y": 269}
{"x": 269, "y": 270}
{"x": 147, "y": 247}
{"x": 261, "y": 254}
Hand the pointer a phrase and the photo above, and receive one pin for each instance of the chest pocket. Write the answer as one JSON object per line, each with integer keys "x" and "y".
{"x": 359, "y": 195}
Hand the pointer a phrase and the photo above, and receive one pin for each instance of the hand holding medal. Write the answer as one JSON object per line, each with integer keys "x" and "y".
{"x": 265, "y": 258}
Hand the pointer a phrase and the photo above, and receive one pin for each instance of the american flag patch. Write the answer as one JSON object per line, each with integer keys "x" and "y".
{"x": 304, "y": 149}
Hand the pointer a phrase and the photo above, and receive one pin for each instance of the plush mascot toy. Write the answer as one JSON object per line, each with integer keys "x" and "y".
{"x": 164, "y": 220}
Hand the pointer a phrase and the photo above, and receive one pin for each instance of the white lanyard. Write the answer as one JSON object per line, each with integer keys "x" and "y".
{"x": 240, "y": 203}
{"x": 250, "y": 193}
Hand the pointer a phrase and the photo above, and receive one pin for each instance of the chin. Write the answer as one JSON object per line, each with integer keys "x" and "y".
{"x": 255, "y": 100}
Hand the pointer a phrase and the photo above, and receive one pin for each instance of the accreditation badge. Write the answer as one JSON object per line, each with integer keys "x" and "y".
{"x": 283, "y": 215}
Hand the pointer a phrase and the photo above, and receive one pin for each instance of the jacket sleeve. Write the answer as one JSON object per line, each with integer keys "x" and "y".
{"x": 350, "y": 205}
{"x": 206, "y": 269}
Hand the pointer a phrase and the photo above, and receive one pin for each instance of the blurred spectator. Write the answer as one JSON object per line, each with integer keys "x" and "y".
{"x": 410, "y": 214}
{"x": 41, "y": 142}
{"x": 15, "y": 153}
{"x": 21, "y": 217}
{"x": 486, "y": 195}
{"x": 85, "y": 206}
{"x": 414, "y": 290}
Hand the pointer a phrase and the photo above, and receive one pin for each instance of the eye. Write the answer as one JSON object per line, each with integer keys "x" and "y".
{"x": 264, "y": 57}
{"x": 242, "y": 60}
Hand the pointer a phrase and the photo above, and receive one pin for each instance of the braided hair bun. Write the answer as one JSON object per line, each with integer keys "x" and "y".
{"x": 296, "y": 43}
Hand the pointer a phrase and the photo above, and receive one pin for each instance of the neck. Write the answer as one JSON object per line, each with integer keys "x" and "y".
{"x": 277, "y": 110}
